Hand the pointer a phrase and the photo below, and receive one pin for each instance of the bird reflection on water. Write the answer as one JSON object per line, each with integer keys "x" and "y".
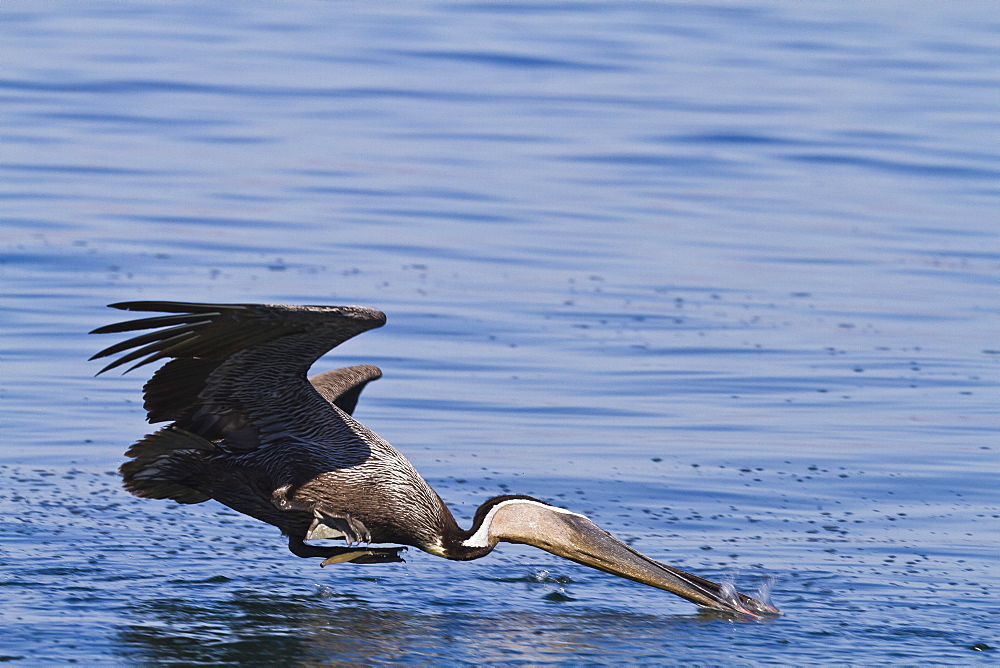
{"x": 252, "y": 627}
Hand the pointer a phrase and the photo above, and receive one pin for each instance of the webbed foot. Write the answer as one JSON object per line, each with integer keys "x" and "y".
{"x": 329, "y": 524}
{"x": 367, "y": 555}
{"x": 341, "y": 555}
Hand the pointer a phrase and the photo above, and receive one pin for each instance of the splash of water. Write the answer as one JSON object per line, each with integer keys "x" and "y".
{"x": 727, "y": 590}
{"x": 763, "y": 593}
{"x": 729, "y": 594}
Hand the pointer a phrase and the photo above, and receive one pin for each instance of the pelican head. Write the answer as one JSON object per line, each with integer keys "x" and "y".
{"x": 521, "y": 519}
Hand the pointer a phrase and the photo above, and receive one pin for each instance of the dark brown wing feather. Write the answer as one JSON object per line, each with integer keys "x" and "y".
{"x": 342, "y": 387}
{"x": 236, "y": 369}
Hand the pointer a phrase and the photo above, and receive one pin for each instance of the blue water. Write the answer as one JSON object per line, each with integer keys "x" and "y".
{"x": 723, "y": 278}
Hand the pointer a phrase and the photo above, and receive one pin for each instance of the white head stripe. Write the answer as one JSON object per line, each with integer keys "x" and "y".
{"x": 482, "y": 536}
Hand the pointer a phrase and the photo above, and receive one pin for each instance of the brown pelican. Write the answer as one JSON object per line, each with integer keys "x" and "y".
{"x": 249, "y": 429}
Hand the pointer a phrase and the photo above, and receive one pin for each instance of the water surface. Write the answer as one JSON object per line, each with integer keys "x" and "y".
{"x": 723, "y": 278}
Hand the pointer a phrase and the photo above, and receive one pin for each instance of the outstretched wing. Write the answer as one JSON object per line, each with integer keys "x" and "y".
{"x": 237, "y": 371}
{"x": 342, "y": 387}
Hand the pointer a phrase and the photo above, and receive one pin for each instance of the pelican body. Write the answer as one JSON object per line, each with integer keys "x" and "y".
{"x": 249, "y": 428}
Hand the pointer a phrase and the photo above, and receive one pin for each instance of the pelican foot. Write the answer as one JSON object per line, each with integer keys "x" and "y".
{"x": 330, "y": 524}
{"x": 367, "y": 555}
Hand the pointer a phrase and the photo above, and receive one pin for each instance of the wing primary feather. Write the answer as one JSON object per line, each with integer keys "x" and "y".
{"x": 154, "y": 348}
{"x": 148, "y": 338}
{"x": 152, "y": 358}
{"x": 158, "y": 321}
{"x": 178, "y": 307}
{"x": 174, "y": 349}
